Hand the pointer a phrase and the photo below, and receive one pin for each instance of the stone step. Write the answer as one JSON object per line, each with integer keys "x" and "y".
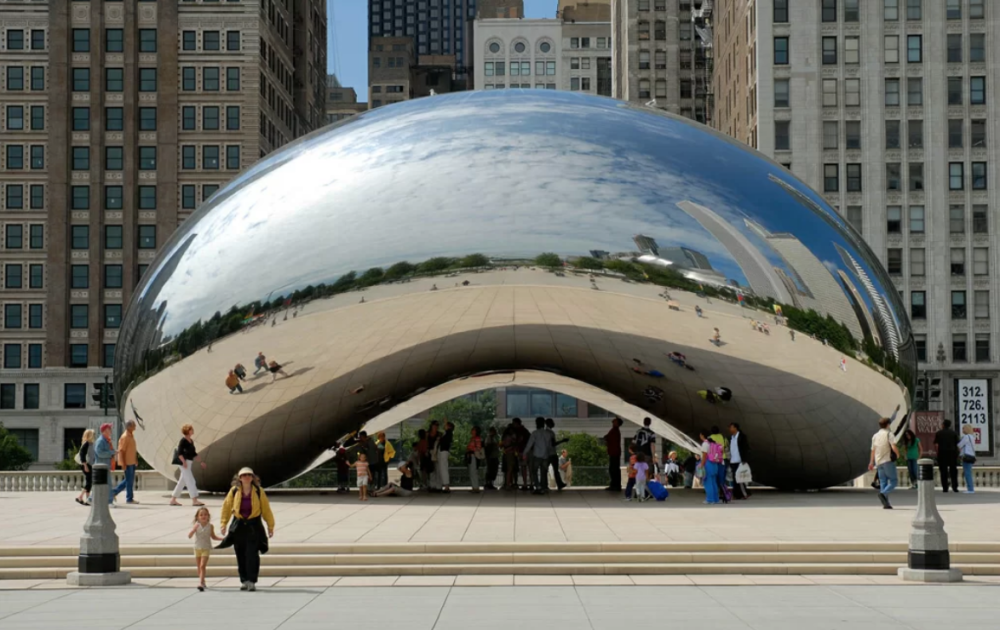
{"x": 514, "y": 569}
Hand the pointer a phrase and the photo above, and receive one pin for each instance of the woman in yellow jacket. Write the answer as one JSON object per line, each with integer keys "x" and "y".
{"x": 387, "y": 452}
{"x": 248, "y": 506}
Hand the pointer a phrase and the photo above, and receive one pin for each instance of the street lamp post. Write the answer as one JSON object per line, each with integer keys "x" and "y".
{"x": 928, "y": 559}
{"x": 99, "y": 563}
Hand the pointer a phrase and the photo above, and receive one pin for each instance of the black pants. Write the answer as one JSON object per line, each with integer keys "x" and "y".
{"x": 247, "y": 552}
{"x": 88, "y": 476}
{"x": 740, "y": 490}
{"x": 554, "y": 462}
{"x": 949, "y": 471}
{"x": 492, "y": 466}
{"x": 380, "y": 475}
{"x": 615, "y": 471}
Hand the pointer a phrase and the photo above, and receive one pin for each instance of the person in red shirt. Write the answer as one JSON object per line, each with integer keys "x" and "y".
{"x": 613, "y": 441}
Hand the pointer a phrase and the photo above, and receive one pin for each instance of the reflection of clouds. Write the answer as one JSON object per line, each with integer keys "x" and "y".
{"x": 501, "y": 174}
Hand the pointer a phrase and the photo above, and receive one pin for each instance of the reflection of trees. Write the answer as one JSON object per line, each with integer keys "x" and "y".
{"x": 812, "y": 323}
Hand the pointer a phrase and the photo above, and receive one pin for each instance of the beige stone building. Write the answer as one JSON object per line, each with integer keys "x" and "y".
{"x": 662, "y": 54}
{"x": 117, "y": 119}
{"x": 341, "y": 102}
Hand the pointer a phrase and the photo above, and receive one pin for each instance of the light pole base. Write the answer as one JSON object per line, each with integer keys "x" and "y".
{"x": 930, "y": 575}
{"x": 118, "y": 578}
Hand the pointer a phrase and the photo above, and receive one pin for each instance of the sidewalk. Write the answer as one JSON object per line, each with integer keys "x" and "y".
{"x": 817, "y": 607}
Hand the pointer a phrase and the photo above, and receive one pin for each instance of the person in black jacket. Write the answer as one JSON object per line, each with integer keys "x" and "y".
{"x": 946, "y": 441}
{"x": 739, "y": 453}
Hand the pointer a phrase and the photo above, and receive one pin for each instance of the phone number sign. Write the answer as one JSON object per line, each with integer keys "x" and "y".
{"x": 972, "y": 397}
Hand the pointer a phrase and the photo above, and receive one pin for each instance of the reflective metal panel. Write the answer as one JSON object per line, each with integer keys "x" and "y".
{"x": 633, "y": 252}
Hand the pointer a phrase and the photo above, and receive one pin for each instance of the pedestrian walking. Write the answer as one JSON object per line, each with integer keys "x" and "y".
{"x": 613, "y": 444}
{"x": 185, "y": 456}
{"x": 128, "y": 459}
{"x": 104, "y": 453}
{"x": 248, "y": 507}
{"x": 739, "y": 453}
{"x": 475, "y": 455}
{"x": 912, "y": 445}
{"x": 553, "y": 462}
{"x": 712, "y": 459}
{"x": 343, "y": 468}
{"x": 203, "y": 533}
{"x": 536, "y": 452}
{"x": 444, "y": 455}
{"x": 967, "y": 449}
{"x": 884, "y": 454}
{"x": 85, "y": 459}
{"x": 260, "y": 362}
{"x": 946, "y": 441}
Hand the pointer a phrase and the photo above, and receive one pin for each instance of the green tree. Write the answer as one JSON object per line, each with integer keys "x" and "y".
{"x": 433, "y": 265}
{"x": 548, "y": 259}
{"x": 474, "y": 260}
{"x": 588, "y": 262}
{"x": 479, "y": 410}
{"x": 13, "y": 456}
{"x": 399, "y": 270}
{"x": 344, "y": 282}
{"x": 584, "y": 449}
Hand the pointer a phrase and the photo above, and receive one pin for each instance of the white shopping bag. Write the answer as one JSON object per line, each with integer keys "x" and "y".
{"x": 743, "y": 473}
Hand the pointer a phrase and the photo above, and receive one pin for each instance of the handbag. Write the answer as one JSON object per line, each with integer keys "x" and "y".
{"x": 176, "y": 460}
{"x": 968, "y": 459}
{"x": 699, "y": 471}
{"x": 77, "y": 459}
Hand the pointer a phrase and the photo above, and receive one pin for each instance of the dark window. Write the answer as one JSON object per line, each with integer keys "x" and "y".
{"x": 14, "y": 238}
{"x": 189, "y": 119}
{"x": 114, "y": 40}
{"x": 31, "y": 396}
{"x": 147, "y": 158}
{"x": 210, "y": 79}
{"x": 114, "y": 119}
{"x": 147, "y": 237}
{"x": 112, "y": 276}
{"x": 147, "y": 119}
{"x": 914, "y": 9}
{"x": 979, "y": 176}
{"x": 977, "y": 90}
{"x": 210, "y": 157}
{"x": 851, "y": 11}
{"x": 15, "y": 197}
{"x": 12, "y": 356}
{"x": 37, "y": 196}
{"x": 958, "y": 349}
{"x": 915, "y": 131}
{"x": 38, "y": 78}
{"x": 233, "y": 40}
{"x": 8, "y": 392}
{"x": 210, "y": 40}
{"x": 80, "y": 276}
{"x": 35, "y": 355}
{"x": 918, "y": 305}
{"x": 233, "y": 79}
{"x": 114, "y": 79}
{"x": 15, "y": 117}
{"x": 37, "y": 39}
{"x": 954, "y": 48}
{"x": 829, "y": 10}
{"x": 207, "y": 190}
{"x": 188, "y": 196}
{"x": 15, "y": 157}
{"x": 188, "y": 157}
{"x": 81, "y": 119}
{"x": 81, "y": 158}
{"x": 982, "y": 351}
{"x": 141, "y": 271}
{"x": 894, "y": 220}
{"x": 956, "y": 176}
{"x": 831, "y": 178}
{"x": 78, "y": 355}
{"x": 210, "y": 117}
{"x": 233, "y": 158}
{"x": 78, "y": 315}
{"x": 233, "y": 117}
{"x": 109, "y": 355}
{"x": 37, "y": 117}
{"x": 853, "y": 177}
{"x": 954, "y": 90}
{"x": 977, "y": 135}
{"x": 190, "y": 40}
{"x": 80, "y": 236}
{"x": 36, "y": 236}
{"x": 112, "y": 237}
{"x": 147, "y": 199}
{"x": 36, "y": 276}
{"x": 958, "y": 310}
{"x": 112, "y": 315}
{"x": 15, "y": 40}
{"x": 81, "y": 40}
{"x": 894, "y": 261}
{"x": 189, "y": 79}
{"x": 114, "y": 158}
{"x": 74, "y": 396}
{"x": 147, "y": 40}
{"x": 780, "y": 11}
{"x": 34, "y": 321}
{"x": 114, "y": 198}
{"x": 15, "y": 78}
{"x": 914, "y": 48}
{"x": 81, "y": 79}
{"x": 829, "y": 51}
{"x": 12, "y": 315}
{"x": 955, "y": 133}
{"x": 916, "y": 175}
{"x": 781, "y": 51}
{"x": 147, "y": 79}
{"x": 980, "y": 220}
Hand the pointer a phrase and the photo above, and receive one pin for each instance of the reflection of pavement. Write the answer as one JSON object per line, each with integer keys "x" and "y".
{"x": 598, "y": 331}
{"x": 45, "y": 518}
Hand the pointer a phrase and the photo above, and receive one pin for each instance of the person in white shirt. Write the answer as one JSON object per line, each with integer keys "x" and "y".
{"x": 883, "y": 457}
{"x": 739, "y": 452}
{"x": 967, "y": 454}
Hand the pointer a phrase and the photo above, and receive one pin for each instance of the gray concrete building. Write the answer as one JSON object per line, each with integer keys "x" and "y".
{"x": 118, "y": 119}
{"x": 341, "y": 102}
{"x": 888, "y": 107}
{"x": 662, "y": 55}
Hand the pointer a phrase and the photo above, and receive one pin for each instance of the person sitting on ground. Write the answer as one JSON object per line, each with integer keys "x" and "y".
{"x": 405, "y": 486}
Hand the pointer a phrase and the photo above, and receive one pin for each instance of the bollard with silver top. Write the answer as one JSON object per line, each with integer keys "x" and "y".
{"x": 928, "y": 559}
{"x": 99, "y": 563}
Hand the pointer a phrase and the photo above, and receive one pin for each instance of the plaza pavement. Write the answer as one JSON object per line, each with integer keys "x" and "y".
{"x": 575, "y": 515}
{"x": 302, "y": 606}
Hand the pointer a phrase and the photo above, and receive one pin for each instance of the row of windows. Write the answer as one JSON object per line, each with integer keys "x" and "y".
{"x": 959, "y": 350}
{"x": 114, "y": 158}
{"x": 893, "y": 134}
{"x": 210, "y": 79}
{"x": 114, "y": 40}
{"x": 954, "y": 52}
{"x": 114, "y": 79}
{"x": 16, "y": 122}
{"x": 13, "y": 316}
{"x": 210, "y": 117}
{"x": 519, "y": 68}
{"x": 523, "y": 86}
{"x": 32, "y": 397}
{"x": 14, "y": 157}
{"x": 892, "y": 10}
{"x": 18, "y": 39}
{"x": 684, "y": 31}
{"x": 19, "y": 78}
{"x": 113, "y": 274}
{"x": 113, "y": 237}
{"x": 956, "y": 221}
{"x": 894, "y": 176}
{"x": 210, "y": 157}
{"x": 893, "y": 96}
{"x": 13, "y": 276}
{"x": 189, "y": 194}
{"x": 114, "y": 119}
{"x": 14, "y": 197}
{"x": 113, "y": 195}
{"x": 959, "y": 306}
{"x": 75, "y": 398}
{"x": 14, "y": 236}
{"x": 210, "y": 40}
{"x": 79, "y": 316}
{"x": 918, "y": 267}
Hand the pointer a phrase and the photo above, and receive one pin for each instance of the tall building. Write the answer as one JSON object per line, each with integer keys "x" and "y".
{"x": 758, "y": 271}
{"x": 545, "y": 53}
{"x": 341, "y": 102}
{"x": 118, "y": 119}
{"x": 436, "y": 27}
{"x": 888, "y": 108}
{"x": 662, "y": 55}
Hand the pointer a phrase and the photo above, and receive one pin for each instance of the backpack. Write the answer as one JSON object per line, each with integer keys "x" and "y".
{"x": 714, "y": 452}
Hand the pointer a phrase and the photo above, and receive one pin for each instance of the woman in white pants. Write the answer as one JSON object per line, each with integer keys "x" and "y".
{"x": 185, "y": 458}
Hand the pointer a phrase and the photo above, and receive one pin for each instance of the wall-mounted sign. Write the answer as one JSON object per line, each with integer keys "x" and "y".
{"x": 972, "y": 400}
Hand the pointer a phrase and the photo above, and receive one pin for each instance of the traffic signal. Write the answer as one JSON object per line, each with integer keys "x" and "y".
{"x": 97, "y": 395}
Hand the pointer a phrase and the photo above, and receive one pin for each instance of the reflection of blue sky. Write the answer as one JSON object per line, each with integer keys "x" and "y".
{"x": 505, "y": 173}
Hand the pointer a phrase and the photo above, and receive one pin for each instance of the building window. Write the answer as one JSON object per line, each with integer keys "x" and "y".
{"x": 855, "y": 218}
{"x": 982, "y": 304}
{"x": 147, "y": 198}
{"x": 852, "y": 92}
{"x": 916, "y": 176}
{"x": 147, "y": 119}
{"x": 920, "y": 344}
{"x": 210, "y": 118}
{"x": 147, "y": 158}
{"x": 114, "y": 119}
{"x": 37, "y": 78}
{"x": 114, "y": 40}
{"x": 831, "y": 178}
{"x": 891, "y": 47}
{"x": 36, "y": 236}
{"x": 189, "y": 40}
{"x": 189, "y": 118}
{"x": 80, "y": 236}
{"x": 36, "y": 274}
{"x": 15, "y": 157}
{"x": 15, "y": 118}
{"x": 15, "y": 197}
{"x": 829, "y": 92}
{"x": 892, "y": 134}
{"x": 113, "y": 198}
{"x": 894, "y": 261}
{"x": 109, "y": 355}
{"x": 829, "y": 13}
{"x": 189, "y": 79}
{"x": 918, "y": 305}
{"x": 852, "y": 50}
{"x": 114, "y": 79}
{"x": 978, "y": 134}
{"x": 188, "y": 159}
{"x": 233, "y": 158}
{"x": 12, "y": 316}
{"x": 955, "y": 134}
{"x": 977, "y": 9}
{"x": 914, "y": 9}
{"x": 780, "y": 15}
{"x": 147, "y": 237}
{"x": 915, "y": 132}
{"x": 12, "y": 356}
{"x": 914, "y": 48}
{"x": 956, "y": 219}
{"x": 916, "y": 219}
{"x": 78, "y": 355}
{"x": 979, "y": 176}
{"x": 37, "y": 117}
{"x": 782, "y": 135}
{"x": 977, "y": 90}
{"x": 13, "y": 276}
{"x": 147, "y": 40}
{"x": 957, "y": 261}
{"x": 958, "y": 348}
{"x": 982, "y": 347}
{"x": 74, "y": 396}
{"x": 232, "y": 79}
{"x": 8, "y": 394}
{"x": 980, "y": 261}
{"x": 188, "y": 201}
{"x": 894, "y": 219}
{"x": 210, "y": 40}
{"x": 917, "y": 261}
{"x": 207, "y": 190}
{"x": 31, "y": 396}
{"x": 892, "y": 92}
{"x": 112, "y": 315}
{"x": 81, "y": 119}
{"x": 210, "y": 79}
{"x": 953, "y": 9}
{"x": 954, "y": 48}
{"x": 113, "y": 277}
{"x": 78, "y": 315}
{"x": 643, "y": 32}
{"x": 15, "y": 78}
{"x": 853, "y": 178}
{"x": 914, "y": 91}
{"x": 210, "y": 157}
{"x": 35, "y": 322}
{"x": 147, "y": 79}
{"x": 781, "y": 51}
{"x": 80, "y": 276}
{"x": 954, "y": 90}
{"x": 232, "y": 118}
{"x": 15, "y": 39}
{"x": 81, "y": 40}
{"x": 114, "y": 158}
{"x": 644, "y": 89}
{"x": 781, "y": 93}
{"x": 81, "y": 158}
{"x": 956, "y": 176}
{"x": 113, "y": 237}
{"x": 232, "y": 40}
{"x": 829, "y": 51}
{"x": 852, "y": 133}
{"x": 28, "y": 438}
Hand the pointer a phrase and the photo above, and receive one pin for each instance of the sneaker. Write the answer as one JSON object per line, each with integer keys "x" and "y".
{"x": 628, "y": 499}
{"x": 245, "y": 587}
{"x": 884, "y": 500}
{"x": 251, "y": 586}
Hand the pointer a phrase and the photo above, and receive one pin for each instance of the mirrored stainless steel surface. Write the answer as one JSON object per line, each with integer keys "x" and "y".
{"x": 527, "y": 233}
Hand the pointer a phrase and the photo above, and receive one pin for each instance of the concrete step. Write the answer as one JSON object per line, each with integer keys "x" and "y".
{"x": 515, "y": 569}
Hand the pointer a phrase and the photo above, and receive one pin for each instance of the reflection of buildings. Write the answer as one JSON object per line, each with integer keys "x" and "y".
{"x": 758, "y": 270}
{"x": 646, "y": 244}
{"x": 860, "y": 308}
{"x": 816, "y": 280}
{"x": 600, "y": 254}
{"x": 884, "y": 321}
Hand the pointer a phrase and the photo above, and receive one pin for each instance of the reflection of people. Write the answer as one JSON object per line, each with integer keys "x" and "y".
{"x": 275, "y": 368}
{"x": 716, "y": 337}
{"x": 233, "y": 383}
{"x": 240, "y": 371}
{"x": 260, "y": 362}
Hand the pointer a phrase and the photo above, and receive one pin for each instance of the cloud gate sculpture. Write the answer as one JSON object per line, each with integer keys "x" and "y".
{"x": 540, "y": 238}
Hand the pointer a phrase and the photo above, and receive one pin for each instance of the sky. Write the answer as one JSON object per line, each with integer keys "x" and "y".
{"x": 348, "y": 40}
